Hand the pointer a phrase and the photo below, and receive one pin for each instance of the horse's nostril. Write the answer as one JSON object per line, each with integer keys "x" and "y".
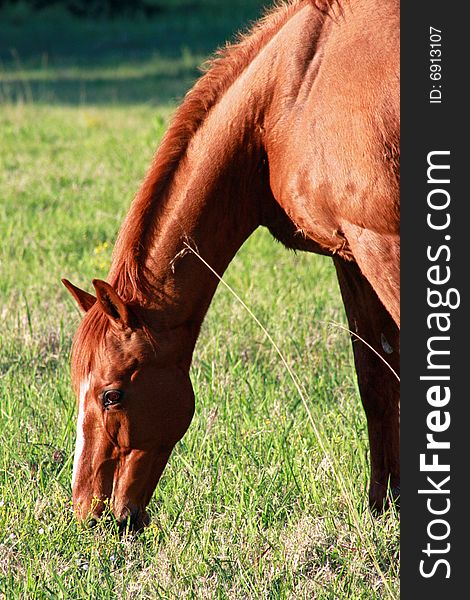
{"x": 92, "y": 523}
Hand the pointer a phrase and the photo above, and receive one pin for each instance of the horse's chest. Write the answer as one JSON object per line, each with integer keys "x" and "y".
{"x": 313, "y": 208}
{"x": 324, "y": 186}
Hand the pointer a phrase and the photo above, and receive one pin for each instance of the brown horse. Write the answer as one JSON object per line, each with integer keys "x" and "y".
{"x": 295, "y": 127}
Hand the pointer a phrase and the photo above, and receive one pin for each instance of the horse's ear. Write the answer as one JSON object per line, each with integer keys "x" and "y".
{"x": 111, "y": 302}
{"x": 84, "y": 300}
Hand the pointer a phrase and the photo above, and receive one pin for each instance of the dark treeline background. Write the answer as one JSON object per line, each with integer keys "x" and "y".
{"x": 108, "y": 8}
{"x": 112, "y": 51}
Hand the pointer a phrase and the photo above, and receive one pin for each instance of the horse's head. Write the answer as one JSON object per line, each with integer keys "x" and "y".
{"x": 135, "y": 403}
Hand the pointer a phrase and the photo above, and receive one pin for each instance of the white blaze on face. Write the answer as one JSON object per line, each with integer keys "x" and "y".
{"x": 84, "y": 387}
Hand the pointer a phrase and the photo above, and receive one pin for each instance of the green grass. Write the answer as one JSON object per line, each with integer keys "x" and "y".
{"x": 250, "y": 504}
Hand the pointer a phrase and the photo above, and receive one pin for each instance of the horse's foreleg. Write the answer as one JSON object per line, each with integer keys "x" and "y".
{"x": 378, "y": 256}
{"x": 378, "y": 386}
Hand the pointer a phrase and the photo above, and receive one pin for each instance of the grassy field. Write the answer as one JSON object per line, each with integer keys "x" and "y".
{"x": 258, "y": 500}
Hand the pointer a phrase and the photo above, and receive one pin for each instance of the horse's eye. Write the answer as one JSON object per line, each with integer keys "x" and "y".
{"x": 111, "y": 397}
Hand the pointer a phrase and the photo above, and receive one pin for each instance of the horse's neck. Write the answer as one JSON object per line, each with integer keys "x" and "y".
{"x": 212, "y": 205}
{"x": 215, "y": 196}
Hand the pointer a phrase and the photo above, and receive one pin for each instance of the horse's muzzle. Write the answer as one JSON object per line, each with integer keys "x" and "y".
{"x": 134, "y": 522}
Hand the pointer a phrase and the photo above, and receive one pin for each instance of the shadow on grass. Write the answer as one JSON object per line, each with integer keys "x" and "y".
{"x": 52, "y": 57}
{"x": 148, "y": 88}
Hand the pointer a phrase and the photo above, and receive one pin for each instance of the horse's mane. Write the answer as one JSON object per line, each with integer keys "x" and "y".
{"x": 128, "y": 270}
{"x": 128, "y": 274}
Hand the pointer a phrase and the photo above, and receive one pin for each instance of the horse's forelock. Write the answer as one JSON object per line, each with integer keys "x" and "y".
{"x": 89, "y": 340}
